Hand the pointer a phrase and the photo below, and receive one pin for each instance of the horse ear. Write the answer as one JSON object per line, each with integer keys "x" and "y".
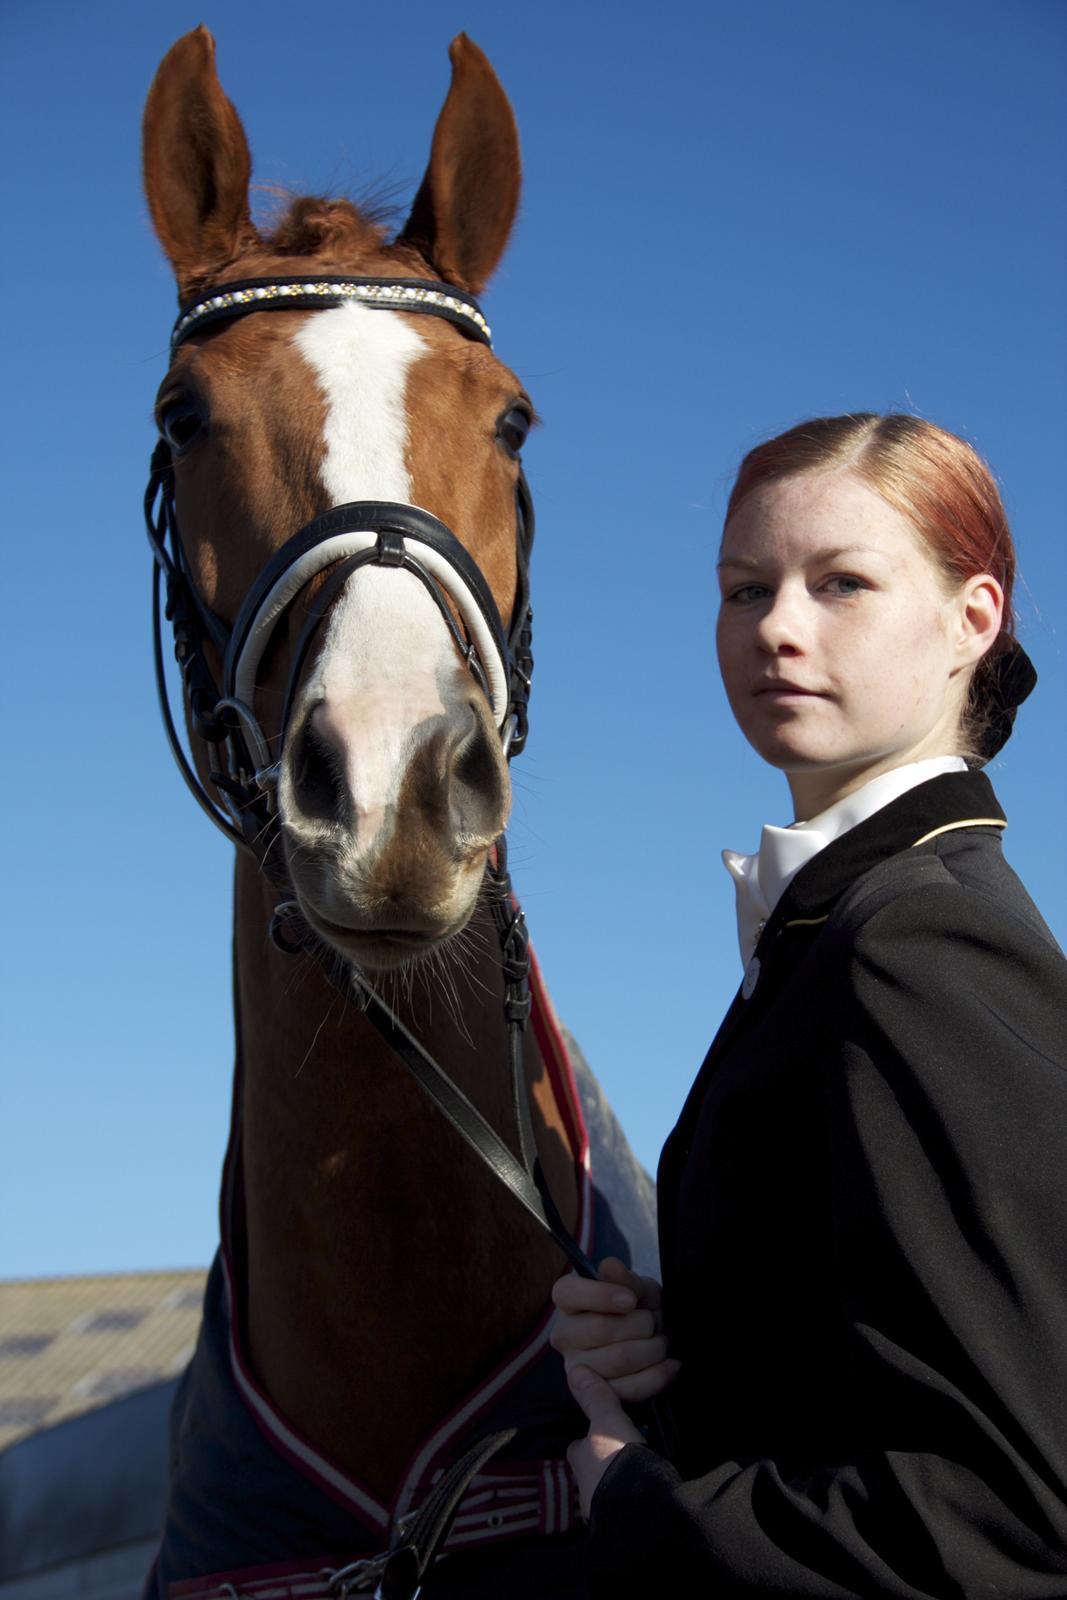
{"x": 196, "y": 163}
{"x": 466, "y": 205}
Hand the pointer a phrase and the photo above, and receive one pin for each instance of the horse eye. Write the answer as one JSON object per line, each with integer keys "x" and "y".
{"x": 180, "y": 423}
{"x": 512, "y": 429}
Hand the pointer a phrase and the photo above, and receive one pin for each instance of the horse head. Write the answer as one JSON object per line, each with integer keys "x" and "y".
{"x": 369, "y": 673}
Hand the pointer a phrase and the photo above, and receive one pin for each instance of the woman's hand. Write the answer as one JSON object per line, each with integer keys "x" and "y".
{"x": 611, "y": 1325}
{"x": 610, "y": 1429}
{"x": 609, "y": 1335}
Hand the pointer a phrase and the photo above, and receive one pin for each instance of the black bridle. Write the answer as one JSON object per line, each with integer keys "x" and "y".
{"x": 382, "y": 533}
{"x": 344, "y": 538}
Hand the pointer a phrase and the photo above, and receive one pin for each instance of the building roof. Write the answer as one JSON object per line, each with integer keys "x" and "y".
{"x": 70, "y": 1345}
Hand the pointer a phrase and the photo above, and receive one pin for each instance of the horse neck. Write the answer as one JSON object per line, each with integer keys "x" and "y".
{"x": 386, "y": 1271}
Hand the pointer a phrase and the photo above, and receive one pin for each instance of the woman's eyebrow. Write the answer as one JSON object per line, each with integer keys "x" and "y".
{"x": 829, "y": 553}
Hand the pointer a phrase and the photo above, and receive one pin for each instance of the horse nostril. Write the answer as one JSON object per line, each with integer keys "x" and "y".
{"x": 317, "y": 781}
{"x": 473, "y": 764}
{"x": 476, "y": 790}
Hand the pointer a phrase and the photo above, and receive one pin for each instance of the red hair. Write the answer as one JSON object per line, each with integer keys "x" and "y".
{"x": 930, "y": 476}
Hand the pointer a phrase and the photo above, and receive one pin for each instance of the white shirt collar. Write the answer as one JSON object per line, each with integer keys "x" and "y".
{"x": 760, "y": 880}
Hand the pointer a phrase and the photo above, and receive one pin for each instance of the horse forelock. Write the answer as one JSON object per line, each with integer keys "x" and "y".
{"x": 313, "y": 225}
{"x": 313, "y": 232}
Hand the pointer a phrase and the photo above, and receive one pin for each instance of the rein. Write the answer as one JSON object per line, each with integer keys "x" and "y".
{"x": 344, "y": 538}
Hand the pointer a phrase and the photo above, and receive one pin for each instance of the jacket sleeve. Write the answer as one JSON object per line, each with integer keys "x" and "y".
{"x": 946, "y": 1099}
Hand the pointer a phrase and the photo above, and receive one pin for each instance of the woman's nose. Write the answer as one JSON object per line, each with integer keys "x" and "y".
{"x": 782, "y": 626}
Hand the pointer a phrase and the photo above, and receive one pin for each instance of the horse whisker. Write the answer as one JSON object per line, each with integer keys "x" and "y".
{"x": 315, "y": 1038}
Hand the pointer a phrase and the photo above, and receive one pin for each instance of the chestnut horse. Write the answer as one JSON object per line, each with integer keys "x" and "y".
{"x": 379, "y": 1300}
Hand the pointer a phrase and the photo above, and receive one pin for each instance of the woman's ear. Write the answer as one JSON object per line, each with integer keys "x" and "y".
{"x": 980, "y": 612}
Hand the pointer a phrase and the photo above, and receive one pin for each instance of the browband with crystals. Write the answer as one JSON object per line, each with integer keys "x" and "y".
{"x": 311, "y": 294}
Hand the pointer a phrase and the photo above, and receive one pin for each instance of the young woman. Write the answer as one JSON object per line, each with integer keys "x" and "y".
{"x": 863, "y": 1206}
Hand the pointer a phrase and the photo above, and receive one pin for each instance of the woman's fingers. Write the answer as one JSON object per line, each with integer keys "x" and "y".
{"x": 589, "y": 1331}
{"x": 574, "y": 1295}
{"x": 636, "y": 1371}
{"x": 598, "y": 1400}
{"x": 614, "y": 1291}
{"x": 647, "y": 1383}
{"x": 612, "y": 1325}
{"x": 612, "y": 1360}
{"x": 648, "y": 1291}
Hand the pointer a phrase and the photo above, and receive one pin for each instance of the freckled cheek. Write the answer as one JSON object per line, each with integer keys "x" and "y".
{"x": 886, "y": 672}
{"x": 920, "y": 651}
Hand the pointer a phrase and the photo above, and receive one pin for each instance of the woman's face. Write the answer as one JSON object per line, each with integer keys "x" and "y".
{"x": 843, "y": 652}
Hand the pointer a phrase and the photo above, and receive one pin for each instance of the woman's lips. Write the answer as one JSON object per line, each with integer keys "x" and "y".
{"x": 787, "y": 691}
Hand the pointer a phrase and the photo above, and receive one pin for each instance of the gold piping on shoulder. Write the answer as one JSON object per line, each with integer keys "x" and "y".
{"x": 968, "y": 822}
{"x": 948, "y": 827}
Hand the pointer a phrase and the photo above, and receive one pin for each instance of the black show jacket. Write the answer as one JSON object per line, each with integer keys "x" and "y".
{"x": 863, "y": 1216}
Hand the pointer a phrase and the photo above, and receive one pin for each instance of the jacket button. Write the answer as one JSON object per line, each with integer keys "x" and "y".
{"x": 751, "y": 978}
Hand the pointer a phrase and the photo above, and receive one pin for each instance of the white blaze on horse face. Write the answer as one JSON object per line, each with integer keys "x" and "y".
{"x": 361, "y": 359}
{"x": 387, "y": 649}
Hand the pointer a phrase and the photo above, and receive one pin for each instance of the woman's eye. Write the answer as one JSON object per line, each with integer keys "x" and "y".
{"x": 180, "y": 423}
{"x": 748, "y": 593}
{"x": 512, "y": 429}
{"x": 844, "y": 585}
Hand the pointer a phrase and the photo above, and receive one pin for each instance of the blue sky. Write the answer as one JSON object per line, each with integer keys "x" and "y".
{"x": 735, "y": 215}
